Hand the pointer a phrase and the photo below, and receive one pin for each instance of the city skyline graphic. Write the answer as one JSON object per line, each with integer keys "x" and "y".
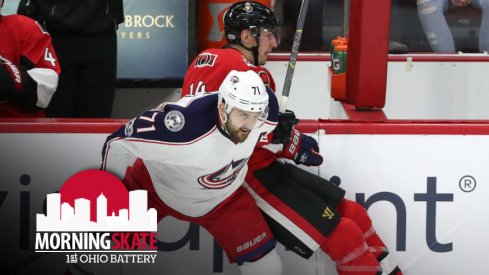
{"x": 64, "y": 217}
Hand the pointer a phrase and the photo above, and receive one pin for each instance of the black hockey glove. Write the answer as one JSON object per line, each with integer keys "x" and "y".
{"x": 286, "y": 122}
{"x": 10, "y": 78}
{"x": 15, "y": 83}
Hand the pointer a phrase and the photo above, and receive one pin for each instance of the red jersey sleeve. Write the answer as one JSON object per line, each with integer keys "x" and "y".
{"x": 36, "y": 45}
{"x": 28, "y": 46}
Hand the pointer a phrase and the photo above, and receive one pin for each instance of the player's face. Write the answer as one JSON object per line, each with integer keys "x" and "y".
{"x": 268, "y": 42}
{"x": 240, "y": 123}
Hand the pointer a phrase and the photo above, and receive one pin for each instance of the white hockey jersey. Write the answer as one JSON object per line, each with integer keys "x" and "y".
{"x": 192, "y": 162}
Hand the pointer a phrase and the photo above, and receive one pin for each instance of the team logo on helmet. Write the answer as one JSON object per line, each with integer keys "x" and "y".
{"x": 248, "y": 7}
{"x": 234, "y": 79}
{"x": 224, "y": 176}
{"x": 174, "y": 121}
{"x": 205, "y": 59}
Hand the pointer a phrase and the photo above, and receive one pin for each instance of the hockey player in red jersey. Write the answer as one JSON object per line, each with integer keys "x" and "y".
{"x": 191, "y": 156}
{"x": 304, "y": 211}
{"x": 29, "y": 68}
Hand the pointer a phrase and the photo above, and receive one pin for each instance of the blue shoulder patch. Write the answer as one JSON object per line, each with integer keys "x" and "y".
{"x": 175, "y": 123}
{"x": 184, "y": 124}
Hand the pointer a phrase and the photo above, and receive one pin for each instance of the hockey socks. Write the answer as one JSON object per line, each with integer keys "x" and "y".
{"x": 347, "y": 248}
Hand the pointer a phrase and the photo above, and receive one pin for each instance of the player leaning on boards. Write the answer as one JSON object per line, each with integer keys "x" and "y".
{"x": 192, "y": 158}
{"x": 305, "y": 212}
{"x": 29, "y": 68}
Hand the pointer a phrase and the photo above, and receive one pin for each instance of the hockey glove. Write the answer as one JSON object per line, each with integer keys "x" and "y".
{"x": 16, "y": 84}
{"x": 282, "y": 132}
{"x": 10, "y": 78}
{"x": 302, "y": 149}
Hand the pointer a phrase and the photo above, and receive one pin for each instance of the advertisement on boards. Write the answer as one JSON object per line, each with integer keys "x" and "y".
{"x": 39, "y": 169}
{"x": 425, "y": 196}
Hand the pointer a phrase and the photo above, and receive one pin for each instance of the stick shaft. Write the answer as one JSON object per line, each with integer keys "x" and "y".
{"x": 293, "y": 55}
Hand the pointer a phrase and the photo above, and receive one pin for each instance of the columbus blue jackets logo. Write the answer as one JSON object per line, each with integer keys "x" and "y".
{"x": 174, "y": 121}
{"x": 234, "y": 79}
{"x": 224, "y": 176}
{"x": 205, "y": 59}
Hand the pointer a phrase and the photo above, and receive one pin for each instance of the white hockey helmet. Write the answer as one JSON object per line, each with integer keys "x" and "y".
{"x": 245, "y": 91}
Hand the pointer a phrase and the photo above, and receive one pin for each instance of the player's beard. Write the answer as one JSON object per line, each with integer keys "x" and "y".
{"x": 237, "y": 134}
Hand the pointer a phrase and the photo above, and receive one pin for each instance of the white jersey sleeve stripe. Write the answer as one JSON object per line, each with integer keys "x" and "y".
{"x": 47, "y": 82}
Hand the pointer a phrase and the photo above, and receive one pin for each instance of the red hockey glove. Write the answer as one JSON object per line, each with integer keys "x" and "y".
{"x": 302, "y": 149}
{"x": 10, "y": 78}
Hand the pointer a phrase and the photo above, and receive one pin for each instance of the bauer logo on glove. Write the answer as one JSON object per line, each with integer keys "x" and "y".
{"x": 302, "y": 149}
{"x": 10, "y": 75}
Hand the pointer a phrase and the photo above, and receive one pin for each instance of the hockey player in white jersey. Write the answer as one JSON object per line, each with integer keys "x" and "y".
{"x": 192, "y": 157}
{"x": 306, "y": 213}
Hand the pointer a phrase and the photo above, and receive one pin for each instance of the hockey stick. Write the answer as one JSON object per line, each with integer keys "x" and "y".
{"x": 293, "y": 55}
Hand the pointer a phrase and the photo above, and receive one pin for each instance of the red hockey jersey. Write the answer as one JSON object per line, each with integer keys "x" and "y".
{"x": 211, "y": 66}
{"x": 206, "y": 73}
{"x": 26, "y": 44}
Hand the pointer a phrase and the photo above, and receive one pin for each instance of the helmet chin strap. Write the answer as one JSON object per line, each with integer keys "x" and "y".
{"x": 224, "y": 119}
{"x": 253, "y": 50}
